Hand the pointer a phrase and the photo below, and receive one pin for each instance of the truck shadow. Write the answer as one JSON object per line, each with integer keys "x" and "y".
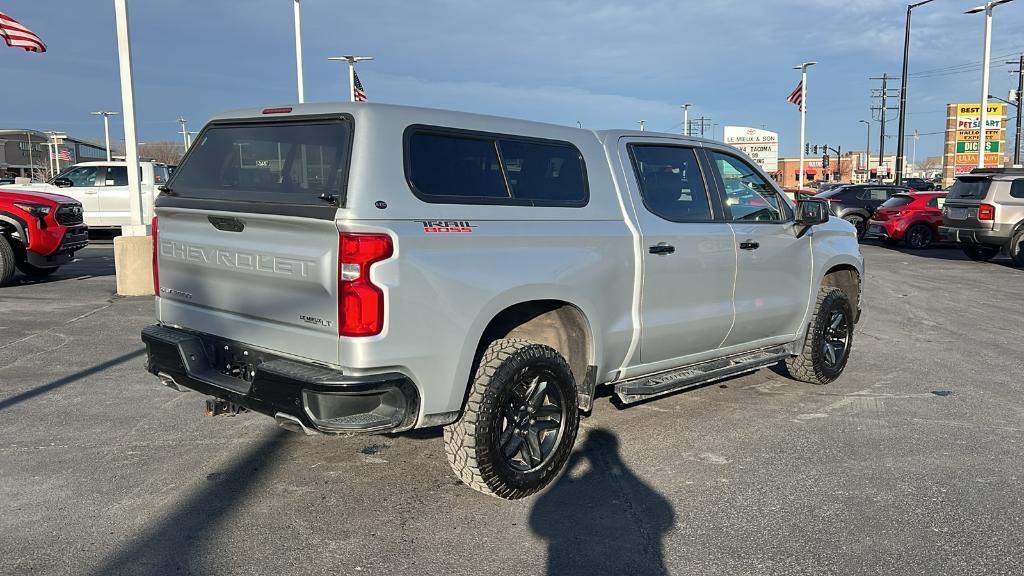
{"x": 175, "y": 543}
{"x": 69, "y": 379}
{"x": 600, "y": 518}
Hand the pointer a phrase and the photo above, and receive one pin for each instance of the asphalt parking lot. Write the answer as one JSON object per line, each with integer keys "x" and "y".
{"x": 912, "y": 463}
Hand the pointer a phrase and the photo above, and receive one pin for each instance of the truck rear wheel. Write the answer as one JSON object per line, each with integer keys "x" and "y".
{"x": 1016, "y": 248}
{"x": 828, "y": 341}
{"x": 7, "y": 261}
{"x": 979, "y": 253}
{"x": 520, "y": 420}
{"x": 36, "y": 271}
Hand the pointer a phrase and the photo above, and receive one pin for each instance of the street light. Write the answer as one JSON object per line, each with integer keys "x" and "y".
{"x": 351, "y": 72}
{"x": 867, "y": 150}
{"x": 686, "y": 119}
{"x": 903, "y": 94}
{"x": 987, "y": 56}
{"x": 643, "y": 124}
{"x": 1016, "y": 148}
{"x": 106, "y": 128}
{"x": 184, "y": 132}
{"x": 803, "y": 113}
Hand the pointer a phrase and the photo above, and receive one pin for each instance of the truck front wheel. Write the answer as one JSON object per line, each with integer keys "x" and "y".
{"x": 7, "y": 261}
{"x": 828, "y": 341}
{"x": 520, "y": 420}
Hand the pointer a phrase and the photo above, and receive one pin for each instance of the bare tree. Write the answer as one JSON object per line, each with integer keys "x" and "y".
{"x": 165, "y": 151}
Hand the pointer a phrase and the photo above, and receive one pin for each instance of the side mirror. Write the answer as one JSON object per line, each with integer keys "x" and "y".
{"x": 63, "y": 182}
{"x": 811, "y": 212}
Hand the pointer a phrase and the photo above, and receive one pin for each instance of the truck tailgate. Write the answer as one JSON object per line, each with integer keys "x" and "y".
{"x": 270, "y": 281}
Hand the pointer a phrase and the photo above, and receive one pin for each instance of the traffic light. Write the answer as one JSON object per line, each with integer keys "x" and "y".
{"x": 824, "y": 161}
{"x": 807, "y": 149}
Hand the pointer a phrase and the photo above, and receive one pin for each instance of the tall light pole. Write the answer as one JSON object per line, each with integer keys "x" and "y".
{"x": 643, "y": 124}
{"x": 351, "y": 72}
{"x": 903, "y": 94}
{"x": 106, "y": 128}
{"x": 184, "y": 132}
{"x": 298, "y": 50}
{"x": 686, "y": 119}
{"x": 803, "y": 114}
{"x": 987, "y": 56}
{"x": 867, "y": 151}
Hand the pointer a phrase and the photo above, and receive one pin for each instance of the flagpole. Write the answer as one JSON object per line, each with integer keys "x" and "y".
{"x": 352, "y": 80}
{"x": 803, "y": 114}
{"x": 298, "y": 50}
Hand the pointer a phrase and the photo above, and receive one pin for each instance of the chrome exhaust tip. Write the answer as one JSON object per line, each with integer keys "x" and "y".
{"x": 293, "y": 424}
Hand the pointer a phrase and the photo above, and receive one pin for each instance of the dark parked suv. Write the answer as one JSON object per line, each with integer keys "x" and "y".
{"x": 984, "y": 213}
{"x": 856, "y": 203}
{"x": 919, "y": 184}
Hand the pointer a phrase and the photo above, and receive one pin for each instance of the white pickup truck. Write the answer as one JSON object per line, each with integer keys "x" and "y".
{"x": 376, "y": 268}
{"x": 102, "y": 188}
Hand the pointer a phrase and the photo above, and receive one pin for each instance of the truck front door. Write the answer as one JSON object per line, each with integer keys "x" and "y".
{"x": 773, "y": 279}
{"x": 689, "y": 254}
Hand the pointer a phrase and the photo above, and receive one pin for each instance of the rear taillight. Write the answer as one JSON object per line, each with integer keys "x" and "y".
{"x": 986, "y": 212}
{"x": 156, "y": 270}
{"x": 360, "y": 302}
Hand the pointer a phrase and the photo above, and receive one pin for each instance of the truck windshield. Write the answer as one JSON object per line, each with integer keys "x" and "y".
{"x": 279, "y": 162}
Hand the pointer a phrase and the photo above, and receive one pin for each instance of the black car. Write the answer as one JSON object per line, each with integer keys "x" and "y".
{"x": 919, "y": 184}
{"x": 856, "y": 203}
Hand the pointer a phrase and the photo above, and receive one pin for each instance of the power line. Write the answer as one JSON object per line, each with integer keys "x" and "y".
{"x": 958, "y": 68}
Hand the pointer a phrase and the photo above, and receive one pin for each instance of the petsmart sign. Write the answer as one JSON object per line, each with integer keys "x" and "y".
{"x": 761, "y": 145}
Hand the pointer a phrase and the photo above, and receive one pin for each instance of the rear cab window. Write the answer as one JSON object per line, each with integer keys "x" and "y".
{"x": 301, "y": 162}
{"x": 449, "y": 166}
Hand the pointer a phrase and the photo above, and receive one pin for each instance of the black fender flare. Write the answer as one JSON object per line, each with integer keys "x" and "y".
{"x": 17, "y": 223}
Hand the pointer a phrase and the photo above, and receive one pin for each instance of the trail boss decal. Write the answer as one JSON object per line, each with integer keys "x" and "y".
{"x": 447, "y": 226}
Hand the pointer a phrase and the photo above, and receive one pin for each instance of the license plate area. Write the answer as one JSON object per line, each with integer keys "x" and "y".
{"x": 957, "y": 213}
{"x": 235, "y": 361}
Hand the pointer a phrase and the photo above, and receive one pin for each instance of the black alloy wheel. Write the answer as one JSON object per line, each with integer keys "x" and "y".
{"x": 918, "y": 236}
{"x": 859, "y": 223}
{"x": 531, "y": 425}
{"x": 835, "y": 344}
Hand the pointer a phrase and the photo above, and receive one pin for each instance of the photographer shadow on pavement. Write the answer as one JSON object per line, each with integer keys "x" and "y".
{"x": 600, "y": 518}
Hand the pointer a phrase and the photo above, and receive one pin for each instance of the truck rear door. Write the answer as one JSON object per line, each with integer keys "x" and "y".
{"x": 246, "y": 239}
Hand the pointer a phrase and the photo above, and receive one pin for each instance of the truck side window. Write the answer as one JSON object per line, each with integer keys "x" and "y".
{"x": 671, "y": 183}
{"x": 467, "y": 167}
{"x": 748, "y": 196}
{"x": 117, "y": 175}
{"x": 1017, "y": 189}
{"x": 443, "y": 165}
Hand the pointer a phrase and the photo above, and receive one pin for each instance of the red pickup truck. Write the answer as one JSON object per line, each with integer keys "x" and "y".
{"x": 39, "y": 232}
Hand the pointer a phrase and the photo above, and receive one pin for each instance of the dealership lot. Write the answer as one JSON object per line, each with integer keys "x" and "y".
{"x": 911, "y": 463}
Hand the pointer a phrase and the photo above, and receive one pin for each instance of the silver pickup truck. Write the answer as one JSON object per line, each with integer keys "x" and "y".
{"x": 376, "y": 268}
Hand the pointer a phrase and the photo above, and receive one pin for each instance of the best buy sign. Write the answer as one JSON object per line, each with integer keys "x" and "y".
{"x": 990, "y": 146}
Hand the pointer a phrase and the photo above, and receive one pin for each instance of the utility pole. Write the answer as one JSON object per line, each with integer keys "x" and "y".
{"x": 704, "y": 124}
{"x": 883, "y": 94}
{"x": 1020, "y": 94}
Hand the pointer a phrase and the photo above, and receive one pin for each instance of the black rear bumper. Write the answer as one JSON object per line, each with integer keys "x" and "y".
{"x": 322, "y": 399}
{"x": 997, "y": 236}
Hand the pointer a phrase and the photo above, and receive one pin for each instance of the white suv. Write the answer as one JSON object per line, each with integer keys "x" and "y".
{"x": 102, "y": 188}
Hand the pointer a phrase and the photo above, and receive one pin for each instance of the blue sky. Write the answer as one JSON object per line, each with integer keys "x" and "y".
{"x": 605, "y": 64}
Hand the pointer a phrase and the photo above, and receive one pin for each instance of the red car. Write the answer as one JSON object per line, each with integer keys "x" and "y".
{"x": 913, "y": 218}
{"x": 39, "y": 232}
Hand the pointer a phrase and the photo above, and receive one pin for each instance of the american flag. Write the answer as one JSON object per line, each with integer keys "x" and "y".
{"x": 17, "y": 36}
{"x": 358, "y": 93}
{"x": 797, "y": 96}
{"x": 64, "y": 154}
